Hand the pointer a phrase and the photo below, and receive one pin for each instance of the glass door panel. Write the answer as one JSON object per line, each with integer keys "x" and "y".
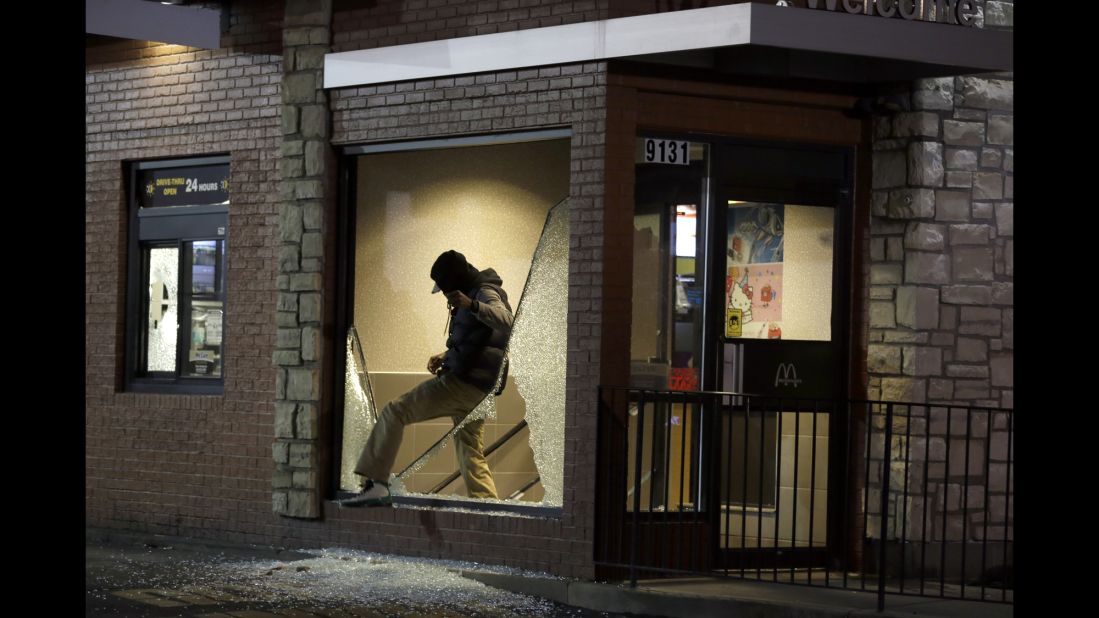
{"x": 668, "y": 318}
{"x": 162, "y": 308}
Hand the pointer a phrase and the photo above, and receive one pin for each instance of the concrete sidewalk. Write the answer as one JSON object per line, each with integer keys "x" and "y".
{"x": 725, "y": 598}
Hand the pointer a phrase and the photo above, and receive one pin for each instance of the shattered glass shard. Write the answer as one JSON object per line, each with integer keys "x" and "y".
{"x": 359, "y": 412}
{"x": 537, "y": 350}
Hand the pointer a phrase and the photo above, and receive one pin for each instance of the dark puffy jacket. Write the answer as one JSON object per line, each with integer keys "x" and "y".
{"x": 476, "y": 343}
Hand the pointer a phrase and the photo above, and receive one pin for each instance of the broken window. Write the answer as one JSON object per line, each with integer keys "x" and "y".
{"x": 176, "y": 305}
{"x": 500, "y": 205}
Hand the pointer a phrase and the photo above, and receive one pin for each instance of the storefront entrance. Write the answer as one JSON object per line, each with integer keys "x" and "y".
{"x": 740, "y": 286}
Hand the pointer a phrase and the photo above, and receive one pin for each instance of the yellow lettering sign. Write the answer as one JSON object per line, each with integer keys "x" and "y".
{"x": 733, "y": 319}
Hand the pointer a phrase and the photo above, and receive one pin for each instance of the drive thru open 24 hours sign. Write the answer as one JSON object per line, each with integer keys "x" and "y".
{"x": 184, "y": 186}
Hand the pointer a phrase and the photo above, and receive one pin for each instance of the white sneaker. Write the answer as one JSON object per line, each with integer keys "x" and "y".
{"x": 372, "y": 494}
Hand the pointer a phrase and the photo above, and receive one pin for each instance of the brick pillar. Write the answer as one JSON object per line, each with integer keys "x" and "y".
{"x": 306, "y": 189}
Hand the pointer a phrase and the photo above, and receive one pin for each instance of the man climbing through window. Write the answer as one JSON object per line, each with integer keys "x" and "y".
{"x": 478, "y": 331}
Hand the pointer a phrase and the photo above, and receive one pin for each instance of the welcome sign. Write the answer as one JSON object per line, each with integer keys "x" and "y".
{"x": 957, "y": 12}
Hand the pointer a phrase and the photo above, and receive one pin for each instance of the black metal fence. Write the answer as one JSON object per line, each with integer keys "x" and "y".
{"x": 904, "y": 498}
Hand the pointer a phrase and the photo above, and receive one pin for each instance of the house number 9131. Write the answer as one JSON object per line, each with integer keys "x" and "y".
{"x": 667, "y": 151}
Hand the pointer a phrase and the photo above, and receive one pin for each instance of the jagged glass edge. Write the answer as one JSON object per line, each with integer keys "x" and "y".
{"x": 358, "y": 414}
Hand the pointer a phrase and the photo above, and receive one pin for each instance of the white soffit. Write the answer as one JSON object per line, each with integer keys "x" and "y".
{"x": 790, "y": 28}
{"x": 597, "y": 40}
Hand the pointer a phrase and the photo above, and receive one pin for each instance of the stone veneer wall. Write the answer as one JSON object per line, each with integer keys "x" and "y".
{"x": 942, "y": 249}
{"x": 942, "y": 306}
{"x": 306, "y": 191}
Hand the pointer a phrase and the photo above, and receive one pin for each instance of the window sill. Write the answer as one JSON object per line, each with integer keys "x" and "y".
{"x": 470, "y": 506}
{"x": 176, "y": 388}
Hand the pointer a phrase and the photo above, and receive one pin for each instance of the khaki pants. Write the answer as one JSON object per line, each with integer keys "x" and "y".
{"x": 440, "y": 396}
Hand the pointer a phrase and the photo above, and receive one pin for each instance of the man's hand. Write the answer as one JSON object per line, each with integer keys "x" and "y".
{"x": 459, "y": 300}
{"x": 435, "y": 362}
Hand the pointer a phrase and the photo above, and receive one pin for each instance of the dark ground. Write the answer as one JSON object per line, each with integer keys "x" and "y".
{"x": 134, "y": 577}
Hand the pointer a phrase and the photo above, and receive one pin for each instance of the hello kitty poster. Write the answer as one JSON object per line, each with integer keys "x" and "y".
{"x": 756, "y": 290}
{"x": 753, "y": 283}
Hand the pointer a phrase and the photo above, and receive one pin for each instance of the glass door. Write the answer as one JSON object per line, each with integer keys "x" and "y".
{"x": 739, "y": 257}
{"x": 779, "y": 314}
{"x": 667, "y": 353}
{"x": 668, "y": 315}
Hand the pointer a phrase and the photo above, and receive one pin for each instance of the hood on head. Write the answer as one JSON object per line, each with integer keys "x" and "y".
{"x": 488, "y": 275}
{"x": 452, "y": 272}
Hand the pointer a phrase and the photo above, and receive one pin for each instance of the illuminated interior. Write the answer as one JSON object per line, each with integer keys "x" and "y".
{"x": 491, "y": 204}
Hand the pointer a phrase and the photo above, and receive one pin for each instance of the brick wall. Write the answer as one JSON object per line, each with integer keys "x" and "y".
{"x": 366, "y": 25}
{"x": 177, "y": 464}
{"x": 201, "y": 465}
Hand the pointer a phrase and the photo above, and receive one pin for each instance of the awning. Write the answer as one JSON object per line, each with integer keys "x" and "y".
{"x": 748, "y": 38}
{"x": 194, "y": 26}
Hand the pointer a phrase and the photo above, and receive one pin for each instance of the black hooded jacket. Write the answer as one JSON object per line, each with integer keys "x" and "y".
{"x": 479, "y": 335}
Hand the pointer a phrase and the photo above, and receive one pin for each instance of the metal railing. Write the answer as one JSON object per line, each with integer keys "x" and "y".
{"x": 886, "y": 497}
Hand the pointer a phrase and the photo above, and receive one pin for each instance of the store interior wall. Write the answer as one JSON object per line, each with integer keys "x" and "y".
{"x": 800, "y": 515}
